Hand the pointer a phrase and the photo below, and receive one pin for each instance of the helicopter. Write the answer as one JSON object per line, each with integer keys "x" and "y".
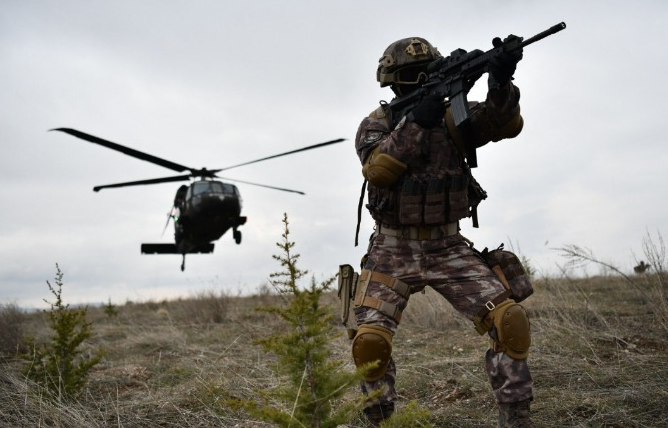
{"x": 202, "y": 211}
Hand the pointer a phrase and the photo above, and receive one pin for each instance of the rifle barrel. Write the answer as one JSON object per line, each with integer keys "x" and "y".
{"x": 554, "y": 29}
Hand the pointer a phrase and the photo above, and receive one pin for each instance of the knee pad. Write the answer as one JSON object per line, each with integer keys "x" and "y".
{"x": 512, "y": 328}
{"x": 372, "y": 343}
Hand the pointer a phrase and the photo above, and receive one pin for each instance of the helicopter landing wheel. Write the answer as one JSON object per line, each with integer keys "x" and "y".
{"x": 237, "y": 236}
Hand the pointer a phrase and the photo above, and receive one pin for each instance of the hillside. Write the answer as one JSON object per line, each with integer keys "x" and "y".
{"x": 599, "y": 359}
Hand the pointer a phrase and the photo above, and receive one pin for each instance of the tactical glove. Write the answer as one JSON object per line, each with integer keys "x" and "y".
{"x": 502, "y": 67}
{"x": 429, "y": 113}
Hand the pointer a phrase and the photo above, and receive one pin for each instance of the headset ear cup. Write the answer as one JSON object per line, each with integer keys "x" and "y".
{"x": 513, "y": 328}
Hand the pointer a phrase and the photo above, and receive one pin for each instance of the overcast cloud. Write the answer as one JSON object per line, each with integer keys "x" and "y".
{"x": 213, "y": 83}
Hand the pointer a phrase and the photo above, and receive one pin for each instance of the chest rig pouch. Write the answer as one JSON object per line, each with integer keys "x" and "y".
{"x": 410, "y": 202}
{"x": 434, "y": 201}
{"x": 430, "y": 200}
{"x": 437, "y": 190}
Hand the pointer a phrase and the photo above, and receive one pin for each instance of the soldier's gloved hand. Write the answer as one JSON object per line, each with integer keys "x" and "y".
{"x": 429, "y": 113}
{"x": 502, "y": 67}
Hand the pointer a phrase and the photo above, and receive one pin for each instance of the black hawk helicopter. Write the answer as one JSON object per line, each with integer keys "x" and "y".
{"x": 204, "y": 210}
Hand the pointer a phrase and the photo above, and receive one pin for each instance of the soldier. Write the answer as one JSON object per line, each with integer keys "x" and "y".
{"x": 419, "y": 188}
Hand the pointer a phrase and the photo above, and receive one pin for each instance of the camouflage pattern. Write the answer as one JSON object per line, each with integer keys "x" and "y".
{"x": 411, "y": 51}
{"x": 438, "y": 186}
{"x": 515, "y": 415}
{"x": 409, "y": 142}
{"x": 513, "y": 271}
{"x": 510, "y": 379}
{"x": 436, "y": 189}
{"x": 457, "y": 273}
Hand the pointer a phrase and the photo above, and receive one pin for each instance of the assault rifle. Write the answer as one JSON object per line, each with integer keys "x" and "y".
{"x": 453, "y": 77}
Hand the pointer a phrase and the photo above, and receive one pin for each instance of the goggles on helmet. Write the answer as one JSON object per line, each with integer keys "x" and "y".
{"x": 408, "y": 75}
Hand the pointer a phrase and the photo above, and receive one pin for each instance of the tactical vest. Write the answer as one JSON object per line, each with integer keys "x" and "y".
{"x": 438, "y": 190}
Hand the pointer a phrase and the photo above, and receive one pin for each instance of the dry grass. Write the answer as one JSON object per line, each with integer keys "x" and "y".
{"x": 11, "y": 328}
{"x": 599, "y": 359}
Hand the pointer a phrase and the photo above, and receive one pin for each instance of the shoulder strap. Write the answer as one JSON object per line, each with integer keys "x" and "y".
{"x": 359, "y": 212}
{"x": 381, "y": 113}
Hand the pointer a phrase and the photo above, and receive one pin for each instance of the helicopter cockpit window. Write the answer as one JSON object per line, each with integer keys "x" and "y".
{"x": 216, "y": 187}
{"x": 230, "y": 189}
{"x": 200, "y": 187}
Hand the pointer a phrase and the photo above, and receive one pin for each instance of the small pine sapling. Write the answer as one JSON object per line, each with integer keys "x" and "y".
{"x": 312, "y": 382}
{"x": 60, "y": 366}
{"x": 110, "y": 309}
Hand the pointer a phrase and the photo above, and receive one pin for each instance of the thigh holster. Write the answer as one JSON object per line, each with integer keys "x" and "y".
{"x": 387, "y": 308}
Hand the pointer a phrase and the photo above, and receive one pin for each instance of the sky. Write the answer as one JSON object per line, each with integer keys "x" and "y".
{"x": 216, "y": 83}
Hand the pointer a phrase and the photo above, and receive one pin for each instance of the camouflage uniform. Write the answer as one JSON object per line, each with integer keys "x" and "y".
{"x": 446, "y": 262}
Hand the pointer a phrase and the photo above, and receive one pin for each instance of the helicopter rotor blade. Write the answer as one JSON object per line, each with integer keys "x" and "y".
{"x": 263, "y": 185}
{"x": 142, "y": 182}
{"x": 126, "y": 150}
{"x": 314, "y": 146}
{"x": 170, "y": 215}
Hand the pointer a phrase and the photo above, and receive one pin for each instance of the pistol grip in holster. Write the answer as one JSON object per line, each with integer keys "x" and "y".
{"x": 347, "y": 287}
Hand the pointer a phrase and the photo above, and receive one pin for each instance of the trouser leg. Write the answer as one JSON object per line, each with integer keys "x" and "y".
{"x": 510, "y": 379}
{"x": 459, "y": 275}
{"x": 385, "y": 386}
{"x": 468, "y": 284}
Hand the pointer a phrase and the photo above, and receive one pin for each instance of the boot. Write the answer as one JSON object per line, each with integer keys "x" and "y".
{"x": 377, "y": 413}
{"x": 515, "y": 415}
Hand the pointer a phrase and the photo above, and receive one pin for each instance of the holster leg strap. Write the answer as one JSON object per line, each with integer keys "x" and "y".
{"x": 398, "y": 286}
{"x": 389, "y": 309}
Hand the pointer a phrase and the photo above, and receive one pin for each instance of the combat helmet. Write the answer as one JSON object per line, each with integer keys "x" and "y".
{"x": 404, "y": 62}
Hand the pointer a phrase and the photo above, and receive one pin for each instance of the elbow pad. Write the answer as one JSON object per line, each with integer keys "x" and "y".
{"x": 511, "y": 128}
{"x": 382, "y": 170}
{"x": 488, "y": 128}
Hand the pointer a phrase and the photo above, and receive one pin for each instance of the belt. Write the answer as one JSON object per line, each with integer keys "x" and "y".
{"x": 421, "y": 233}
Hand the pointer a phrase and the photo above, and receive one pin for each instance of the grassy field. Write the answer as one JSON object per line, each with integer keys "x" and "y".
{"x": 599, "y": 359}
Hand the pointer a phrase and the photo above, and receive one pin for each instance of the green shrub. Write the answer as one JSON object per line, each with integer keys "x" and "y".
{"x": 311, "y": 382}
{"x": 412, "y": 416}
{"x": 61, "y": 366}
{"x": 110, "y": 309}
